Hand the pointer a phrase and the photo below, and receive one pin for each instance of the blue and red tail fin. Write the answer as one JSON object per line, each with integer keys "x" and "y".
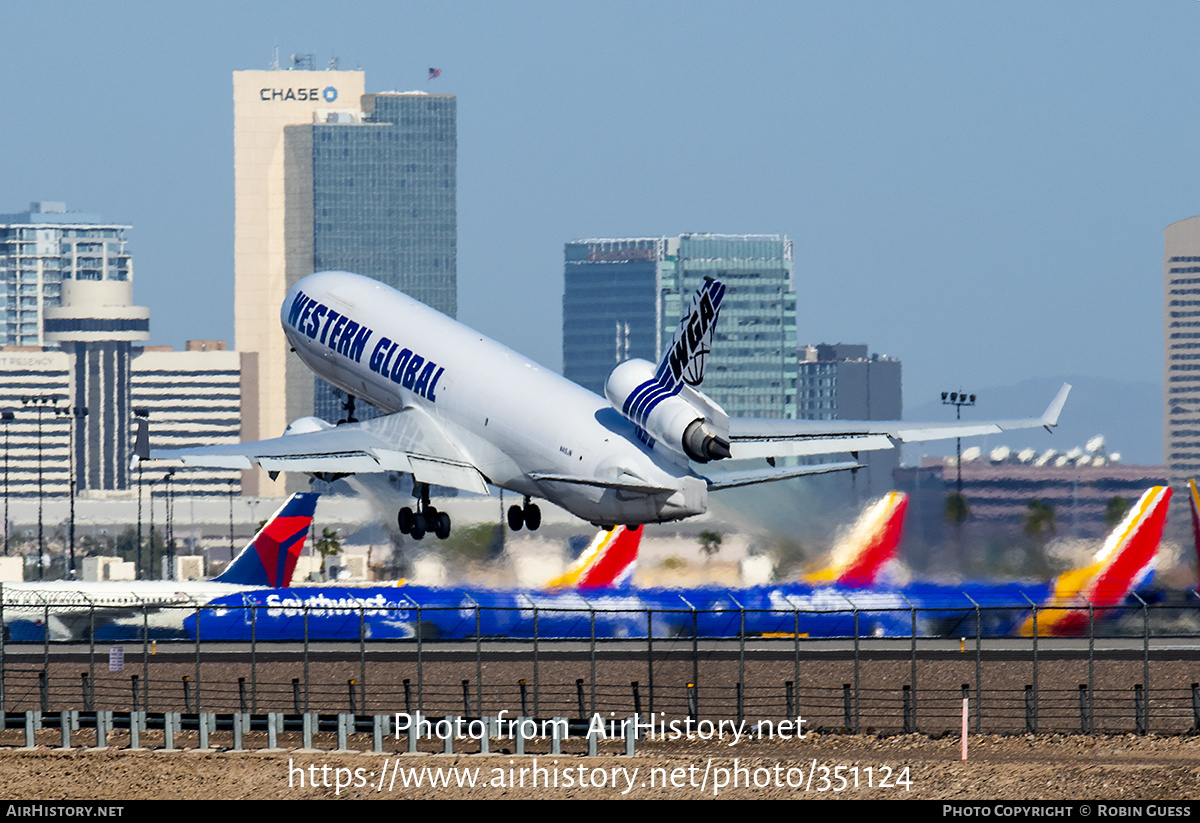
{"x": 607, "y": 562}
{"x": 861, "y": 554}
{"x": 1121, "y": 564}
{"x": 270, "y": 557}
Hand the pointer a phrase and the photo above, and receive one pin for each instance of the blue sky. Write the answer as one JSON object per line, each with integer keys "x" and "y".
{"x": 979, "y": 189}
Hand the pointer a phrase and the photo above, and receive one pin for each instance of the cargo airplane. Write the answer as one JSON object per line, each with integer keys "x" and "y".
{"x": 463, "y": 411}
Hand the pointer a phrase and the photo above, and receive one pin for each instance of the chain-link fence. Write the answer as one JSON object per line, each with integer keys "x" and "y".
{"x": 1132, "y": 669}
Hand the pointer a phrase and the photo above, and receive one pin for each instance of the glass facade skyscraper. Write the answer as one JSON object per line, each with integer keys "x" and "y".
{"x": 383, "y": 201}
{"x": 623, "y": 298}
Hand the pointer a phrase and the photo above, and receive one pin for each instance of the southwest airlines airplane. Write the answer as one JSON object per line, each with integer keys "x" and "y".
{"x": 464, "y": 411}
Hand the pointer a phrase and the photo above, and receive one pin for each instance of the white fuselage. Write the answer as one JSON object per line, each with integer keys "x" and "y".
{"x": 510, "y": 417}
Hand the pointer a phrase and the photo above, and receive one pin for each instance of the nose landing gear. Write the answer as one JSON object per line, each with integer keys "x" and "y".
{"x": 425, "y": 519}
{"x": 528, "y": 515}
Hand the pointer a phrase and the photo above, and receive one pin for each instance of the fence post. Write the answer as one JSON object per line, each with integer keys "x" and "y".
{"x": 296, "y": 695}
{"x": 308, "y": 718}
{"x": 64, "y": 720}
{"x": 1030, "y": 711}
{"x": 637, "y": 700}
{"x": 44, "y": 689}
{"x": 1141, "y": 721}
{"x": 466, "y": 687}
{"x": 242, "y": 694}
{"x": 789, "y": 699}
{"x": 579, "y": 696}
{"x": 847, "y": 715}
{"x": 187, "y": 694}
{"x": 524, "y": 698}
{"x": 87, "y": 692}
{"x": 909, "y": 720}
{"x": 1196, "y": 707}
{"x": 1083, "y": 712}
{"x": 693, "y": 709}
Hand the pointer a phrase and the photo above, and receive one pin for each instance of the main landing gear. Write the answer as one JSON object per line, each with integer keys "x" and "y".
{"x": 528, "y": 515}
{"x": 425, "y": 519}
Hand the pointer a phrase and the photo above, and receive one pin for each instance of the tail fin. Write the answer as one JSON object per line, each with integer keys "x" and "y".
{"x": 858, "y": 558}
{"x": 270, "y": 557}
{"x": 608, "y": 561}
{"x": 1125, "y": 559}
{"x": 683, "y": 361}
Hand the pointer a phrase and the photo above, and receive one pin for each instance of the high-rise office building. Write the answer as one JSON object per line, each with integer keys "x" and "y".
{"x": 623, "y": 298}
{"x": 1181, "y": 360}
{"x": 328, "y": 177}
{"x": 41, "y": 248}
{"x": 843, "y": 382}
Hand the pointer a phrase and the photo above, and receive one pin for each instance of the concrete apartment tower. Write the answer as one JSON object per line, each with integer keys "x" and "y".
{"x": 1181, "y": 355}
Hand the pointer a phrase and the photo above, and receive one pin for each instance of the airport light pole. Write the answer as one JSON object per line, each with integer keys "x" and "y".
{"x": 142, "y": 414}
{"x": 958, "y": 399}
{"x": 6, "y": 418}
{"x": 169, "y": 548}
{"x": 40, "y": 402}
{"x": 72, "y": 415}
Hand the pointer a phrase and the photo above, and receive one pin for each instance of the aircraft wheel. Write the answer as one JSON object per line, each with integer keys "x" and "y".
{"x": 442, "y": 526}
{"x": 431, "y": 516}
{"x": 516, "y": 518}
{"x": 405, "y": 520}
{"x": 533, "y": 517}
{"x": 418, "y": 527}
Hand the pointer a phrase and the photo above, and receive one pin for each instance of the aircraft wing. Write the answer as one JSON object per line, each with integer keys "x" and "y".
{"x": 407, "y": 441}
{"x": 752, "y": 438}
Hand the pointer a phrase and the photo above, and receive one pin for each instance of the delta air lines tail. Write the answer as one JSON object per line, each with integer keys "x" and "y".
{"x": 1121, "y": 564}
{"x": 269, "y": 559}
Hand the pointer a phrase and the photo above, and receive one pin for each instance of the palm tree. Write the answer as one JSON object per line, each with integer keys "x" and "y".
{"x": 710, "y": 543}
{"x": 1115, "y": 510}
{"x": 1039, "y": 521}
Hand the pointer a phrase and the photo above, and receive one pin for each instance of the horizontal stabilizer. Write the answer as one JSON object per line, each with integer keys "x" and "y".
{"x": 732, "y": 480}
{"x": 753, "y": 438}
{"x": 632, "y": 485}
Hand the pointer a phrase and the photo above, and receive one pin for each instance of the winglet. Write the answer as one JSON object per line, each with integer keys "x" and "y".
{"x": 1050, "y": 417}
{"x": 1124, "y": 561}
{"x": 270, "y": 557}
{"x": 608, "y": 561}
{"x": 857, "y": 559}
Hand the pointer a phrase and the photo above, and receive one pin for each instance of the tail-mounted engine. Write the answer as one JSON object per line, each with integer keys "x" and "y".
{"x": 681, "y": 418}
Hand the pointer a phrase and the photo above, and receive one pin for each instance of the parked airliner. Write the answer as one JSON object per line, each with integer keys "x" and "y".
{"x": 463, "y": 411}
{"x": 72, "y": 609}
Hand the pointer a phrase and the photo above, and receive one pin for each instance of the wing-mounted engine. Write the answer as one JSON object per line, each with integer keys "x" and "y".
{"x": 686, "y": 421}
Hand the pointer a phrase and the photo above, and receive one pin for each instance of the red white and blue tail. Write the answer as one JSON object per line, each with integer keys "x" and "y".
{"x": 860, "y": 556}
{"x": 270, "y": 558}
{"x": 608, "y": 561}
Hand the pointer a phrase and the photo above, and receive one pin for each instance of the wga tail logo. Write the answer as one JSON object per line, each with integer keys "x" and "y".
{"x": 693, "y": 340}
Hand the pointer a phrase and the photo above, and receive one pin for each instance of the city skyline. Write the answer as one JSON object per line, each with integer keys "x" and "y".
{"x": 1001, "y": 174}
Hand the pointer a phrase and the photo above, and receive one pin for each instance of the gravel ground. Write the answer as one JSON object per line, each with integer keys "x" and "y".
{"x": 1117, "y": 768}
